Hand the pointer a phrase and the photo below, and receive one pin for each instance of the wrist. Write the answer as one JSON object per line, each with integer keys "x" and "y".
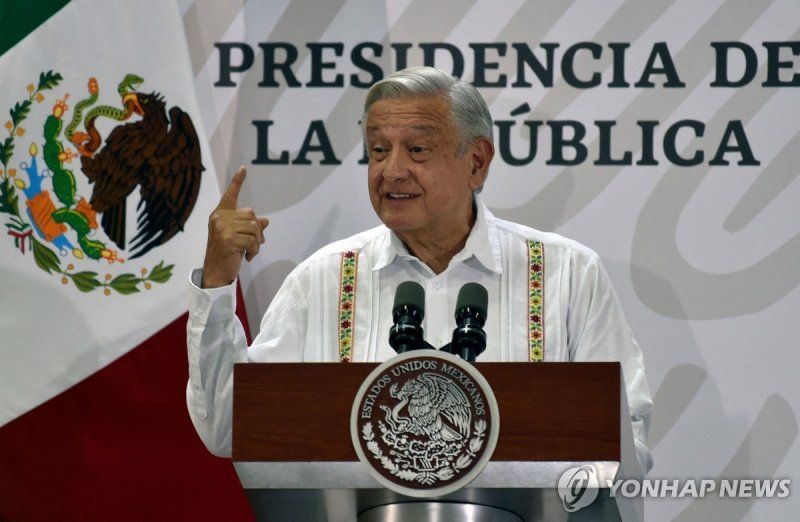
{"x": 210, "y": 280}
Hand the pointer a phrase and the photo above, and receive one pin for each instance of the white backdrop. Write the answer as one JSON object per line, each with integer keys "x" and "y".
{"x": 703, "y": 256}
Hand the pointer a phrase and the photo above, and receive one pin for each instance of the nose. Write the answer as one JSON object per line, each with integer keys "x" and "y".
{"x": 395, "y": 166}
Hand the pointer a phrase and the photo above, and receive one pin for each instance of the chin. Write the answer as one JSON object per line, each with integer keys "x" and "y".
{"x": 397, "y": 223}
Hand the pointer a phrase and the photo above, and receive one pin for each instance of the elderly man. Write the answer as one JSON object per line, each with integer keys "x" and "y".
{"x": 429, "y": 141}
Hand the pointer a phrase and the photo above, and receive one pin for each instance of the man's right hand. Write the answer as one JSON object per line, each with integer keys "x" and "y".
{"x": 233, "y": 233}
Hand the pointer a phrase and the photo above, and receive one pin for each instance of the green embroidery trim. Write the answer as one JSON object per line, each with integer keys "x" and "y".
{"x": 535, "y": 301}
{"x": 347, "y": 303}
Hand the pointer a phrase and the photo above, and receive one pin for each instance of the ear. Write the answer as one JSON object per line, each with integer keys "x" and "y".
{"x": 481, "y": 154}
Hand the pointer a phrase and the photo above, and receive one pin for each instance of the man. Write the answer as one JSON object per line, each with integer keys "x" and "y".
{"x": 429, "y": 141}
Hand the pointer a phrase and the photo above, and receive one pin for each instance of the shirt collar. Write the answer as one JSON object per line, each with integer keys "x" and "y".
{"x": 482, "y": 243}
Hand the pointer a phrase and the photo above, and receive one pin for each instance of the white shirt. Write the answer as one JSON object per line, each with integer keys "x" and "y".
{"x": 583, "y": 320}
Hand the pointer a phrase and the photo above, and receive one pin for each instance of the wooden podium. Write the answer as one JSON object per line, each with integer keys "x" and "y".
{"x": 293, "y": 453}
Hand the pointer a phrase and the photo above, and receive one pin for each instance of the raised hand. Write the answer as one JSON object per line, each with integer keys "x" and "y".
{"x": 233, "y": 233}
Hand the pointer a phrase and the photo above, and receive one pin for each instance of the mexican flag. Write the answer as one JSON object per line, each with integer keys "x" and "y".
{"x": 106, "y": 184}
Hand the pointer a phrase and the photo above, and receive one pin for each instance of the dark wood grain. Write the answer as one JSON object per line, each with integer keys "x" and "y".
{"x": 300, "y": 412}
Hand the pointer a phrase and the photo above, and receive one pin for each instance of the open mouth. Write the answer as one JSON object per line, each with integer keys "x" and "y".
{"x": 399, "y": 196}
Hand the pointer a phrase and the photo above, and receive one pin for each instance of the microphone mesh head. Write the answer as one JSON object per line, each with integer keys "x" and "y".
{"x": 473, "y": 295}
{"x": 410, "y": 294}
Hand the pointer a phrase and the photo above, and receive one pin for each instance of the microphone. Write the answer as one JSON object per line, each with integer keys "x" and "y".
{"x": 469, "y": 339}
{"x": 408, "y": 312}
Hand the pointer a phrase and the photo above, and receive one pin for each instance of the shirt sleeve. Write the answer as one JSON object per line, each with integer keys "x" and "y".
{"x": 598, "y": 331}
{"x": 215, "y": 340}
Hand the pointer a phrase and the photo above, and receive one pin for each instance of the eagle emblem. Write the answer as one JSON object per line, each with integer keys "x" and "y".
{"x": 160, "y": 154}
{"x": 425, "y": 425}
{"x": 437, "y": 409}
{"x": 69, "y": 219}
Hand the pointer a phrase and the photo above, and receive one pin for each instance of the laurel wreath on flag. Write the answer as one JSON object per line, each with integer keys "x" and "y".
{"x": 70, "y": 214}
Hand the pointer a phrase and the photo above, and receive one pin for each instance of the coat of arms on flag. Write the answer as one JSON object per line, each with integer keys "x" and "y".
{"x": 64, "y": 198}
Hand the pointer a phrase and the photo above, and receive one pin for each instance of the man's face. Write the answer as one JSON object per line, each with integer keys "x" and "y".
{"x": 418, "y": 183}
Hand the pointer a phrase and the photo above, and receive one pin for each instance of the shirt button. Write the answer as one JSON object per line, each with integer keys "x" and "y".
{"x": 437, "y": 284}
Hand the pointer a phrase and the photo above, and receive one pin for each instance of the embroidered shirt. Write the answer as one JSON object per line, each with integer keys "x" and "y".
{"x": 580, "y": 318}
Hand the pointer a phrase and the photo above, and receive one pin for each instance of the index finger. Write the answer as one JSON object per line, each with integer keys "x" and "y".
{"x": 230, "y": 199}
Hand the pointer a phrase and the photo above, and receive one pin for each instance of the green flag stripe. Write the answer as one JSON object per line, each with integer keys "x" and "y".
{"x": 18, "y": 18}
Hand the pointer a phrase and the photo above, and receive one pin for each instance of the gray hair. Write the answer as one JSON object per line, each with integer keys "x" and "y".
{"x": 468, "y": 110}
